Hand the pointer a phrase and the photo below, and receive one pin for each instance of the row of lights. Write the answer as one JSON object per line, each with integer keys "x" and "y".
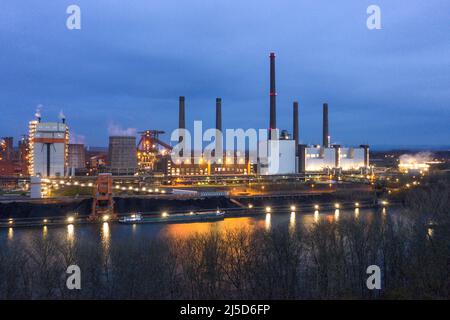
{"x": 130, "y": 188}
{"x": 164, "y": 214}
{"x": 317, "y": 207}
{"x": 118, "y": 187}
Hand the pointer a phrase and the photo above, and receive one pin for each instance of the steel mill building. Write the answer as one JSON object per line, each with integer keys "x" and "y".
{"x": 48, "y": 148}
{"x": 122, "y": 155}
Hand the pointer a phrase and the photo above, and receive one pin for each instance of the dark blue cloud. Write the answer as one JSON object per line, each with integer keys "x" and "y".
{"x": 132, "y": 60}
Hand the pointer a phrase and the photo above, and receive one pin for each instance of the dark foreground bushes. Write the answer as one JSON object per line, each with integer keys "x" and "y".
{"x": 325, "y": 261}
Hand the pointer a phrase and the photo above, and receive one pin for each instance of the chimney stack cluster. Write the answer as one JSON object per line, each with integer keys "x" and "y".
{"x": 273, "y": 114}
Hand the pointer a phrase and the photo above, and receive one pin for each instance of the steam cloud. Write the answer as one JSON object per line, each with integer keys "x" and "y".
{"x": 117, "y": 130}
{"x": 38, "y": 110}
{"x": 421, "y": 157}
{"x": 77, "y": 138}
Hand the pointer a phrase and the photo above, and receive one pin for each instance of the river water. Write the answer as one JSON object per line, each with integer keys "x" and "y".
{"x": 110, "y": 233}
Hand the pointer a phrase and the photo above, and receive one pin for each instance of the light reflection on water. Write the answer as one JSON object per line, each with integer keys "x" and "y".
{"x": 70, "y": 233}
{"x": 109, "y": 233}
{"x": 336, "y": 214}
{"x": 292, "y": 221}
{"x": 268, "y": 221}
{"x": 316, "y": 216}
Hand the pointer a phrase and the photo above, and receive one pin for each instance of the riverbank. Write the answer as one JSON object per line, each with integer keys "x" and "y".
{"x": 124, "y": 205}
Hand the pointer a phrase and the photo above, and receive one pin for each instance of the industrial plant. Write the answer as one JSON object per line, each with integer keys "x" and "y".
{"x": 46, "y": 160}
{"x": 48, "y": 153}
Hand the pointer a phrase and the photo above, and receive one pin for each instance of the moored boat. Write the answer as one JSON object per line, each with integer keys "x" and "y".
{"x": 175, "y": 218}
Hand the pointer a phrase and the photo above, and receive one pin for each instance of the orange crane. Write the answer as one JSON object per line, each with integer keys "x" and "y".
{"x": 103, "y": 202}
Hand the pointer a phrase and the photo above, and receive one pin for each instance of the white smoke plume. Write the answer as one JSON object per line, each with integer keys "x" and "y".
{"x": 77, "y": 138}
{"x": 61, "y": 115}
{"x": 117, "y": 130}
{"x": 421, "y": 157}
{"x": 38, "y": 111}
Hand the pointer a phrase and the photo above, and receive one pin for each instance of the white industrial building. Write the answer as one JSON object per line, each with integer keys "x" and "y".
{"x": 319, "y": 158}
{"x": 48, "y": 148}
{"x": 277, "y": 157}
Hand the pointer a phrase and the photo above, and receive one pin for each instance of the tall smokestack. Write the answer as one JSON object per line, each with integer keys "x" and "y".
{"x": 219, "y": 114}
{"x": 181, "y": 122}
{"x": 326, "y": 133}
{"x": 219, "y": 148}
{"x": 273, "y": 95}
{"x": 295, "y": 126}
{"x": 181, "y": 114}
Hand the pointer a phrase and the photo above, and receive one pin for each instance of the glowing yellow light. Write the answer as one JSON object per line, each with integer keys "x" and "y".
{"x": 165, "y": 214}
{"x": 10, "y": 221}
{"x": 105, "y": 217}
{"x": 250, "y": 206}
{"x": 356, "y": 204}
{"x": 316, "y": 207}
{"x": 191, "y": 213}
{"x": 316, "y": 216}
{"x": 293, "y": 208}
{"x": 268, "y": 209}
{"x": 268, "y": 220}
{"x": 45, "y": 220}
{"x": 336, "y": 205}
{"x": 70, "y": 219}
{"x": 292, "y": 220}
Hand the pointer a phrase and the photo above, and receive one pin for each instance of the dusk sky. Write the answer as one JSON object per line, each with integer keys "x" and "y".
{"x": 131, "y": 60}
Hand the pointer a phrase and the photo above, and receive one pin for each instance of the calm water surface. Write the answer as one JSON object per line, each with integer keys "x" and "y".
{"x": 111, "y": 233}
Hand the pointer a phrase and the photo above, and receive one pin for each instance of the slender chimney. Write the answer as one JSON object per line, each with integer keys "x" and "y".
{"x": 219, "y": 138}
{"x": 326, "y": 133}
{"x": 219, "y": 114}
{"x": 181, "y": 121}
{"x": 295, "y": 126}
{"x": 181, "y": 114}
{"x": 273, "y": 95}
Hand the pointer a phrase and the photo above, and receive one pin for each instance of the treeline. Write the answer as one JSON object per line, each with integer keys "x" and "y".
{"x": 325, "y": 261}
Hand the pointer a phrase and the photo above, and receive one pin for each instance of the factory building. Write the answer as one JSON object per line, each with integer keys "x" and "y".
{"x": 77, "y": 158}
{"x": 233, "y": 163}
{"x": 281, "y": 154}
{"x": 319, "y": 158}
{"x": 48, "y": 148}
{"x": 6, "y": 148}
{"x": 122, "y": 155}
{"x": 230, "y": 163}
{"x": 279, "y": 157}
{"x": 328, "y": 157}
{"x": 287, "y": 156}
